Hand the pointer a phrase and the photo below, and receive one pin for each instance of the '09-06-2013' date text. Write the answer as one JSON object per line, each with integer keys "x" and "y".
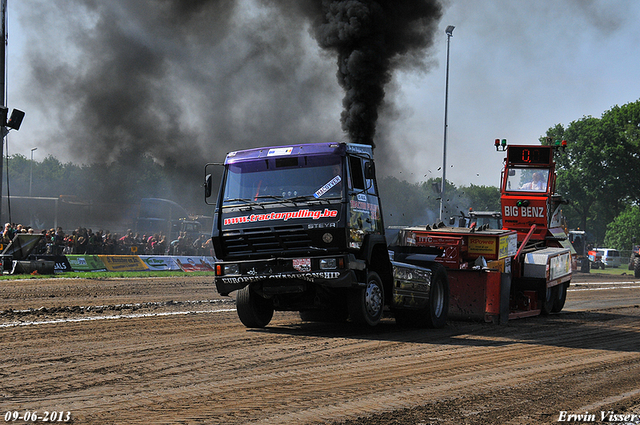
{"x": 35, "y": 416}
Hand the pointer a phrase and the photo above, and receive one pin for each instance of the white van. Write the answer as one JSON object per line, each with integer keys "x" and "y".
{"x": 610, "y": 257}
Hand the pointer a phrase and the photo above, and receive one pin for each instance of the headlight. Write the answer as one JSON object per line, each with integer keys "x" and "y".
{"x": 328, "y": 264}
{"x": 231, "y": 269}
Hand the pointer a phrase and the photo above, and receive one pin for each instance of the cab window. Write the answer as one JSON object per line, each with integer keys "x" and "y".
{"x": 356, "y": 175}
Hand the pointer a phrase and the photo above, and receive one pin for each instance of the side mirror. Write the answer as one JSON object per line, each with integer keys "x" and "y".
{"x": 369, "y": 171}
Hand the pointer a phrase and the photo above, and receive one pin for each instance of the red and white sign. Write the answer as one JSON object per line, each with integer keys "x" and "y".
{"x": 302, "y": 264}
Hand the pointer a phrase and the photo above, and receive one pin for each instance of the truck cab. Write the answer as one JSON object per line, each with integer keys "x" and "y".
{"x": 300, "y": 228}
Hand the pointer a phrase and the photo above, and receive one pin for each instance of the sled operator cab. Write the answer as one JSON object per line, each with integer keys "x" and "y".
{"x": 528, "y": 195}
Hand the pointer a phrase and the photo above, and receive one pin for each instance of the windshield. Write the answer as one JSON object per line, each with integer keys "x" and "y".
{"x": 315, "y": 177}
{"x": 527, "y": 179}
{"x": 493, "y": 222}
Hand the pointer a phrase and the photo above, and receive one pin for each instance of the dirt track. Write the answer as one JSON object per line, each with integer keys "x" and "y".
{"x": 172, "y": 350}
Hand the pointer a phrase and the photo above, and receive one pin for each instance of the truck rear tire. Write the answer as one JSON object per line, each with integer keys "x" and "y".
{"x": 254, "y": 311}
{"x": 366, "y": 304}
{"x": 548, "y": 299}
{"x": 438, "y": 298}
{"x": 435, "y": 314}
{"x": 561, "y": 298}
{"x": 636, "y": 268}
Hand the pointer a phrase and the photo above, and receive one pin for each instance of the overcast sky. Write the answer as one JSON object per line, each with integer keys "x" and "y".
{"x": 517, "y": 67}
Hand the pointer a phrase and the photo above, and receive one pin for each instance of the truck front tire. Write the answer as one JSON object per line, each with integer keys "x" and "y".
{"x": 366, "y": 304}
{"x": 254, "y": 311}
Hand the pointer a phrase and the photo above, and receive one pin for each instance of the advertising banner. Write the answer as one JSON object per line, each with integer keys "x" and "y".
{"x": 160, "y": 262}
{"x": 123, "y": 263}
{"x": 195, "y": 264}
{"x": 86, "y": 263}
{"x": 130, "y": 263}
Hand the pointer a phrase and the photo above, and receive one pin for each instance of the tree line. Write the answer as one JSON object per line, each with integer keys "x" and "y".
{"x": 597, "y": 174}
{"x": 131, "y": 177}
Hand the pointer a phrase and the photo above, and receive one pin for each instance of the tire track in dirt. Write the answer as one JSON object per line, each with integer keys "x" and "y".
{"x": 385, "y": 374}
{"x": 207, "y": 368}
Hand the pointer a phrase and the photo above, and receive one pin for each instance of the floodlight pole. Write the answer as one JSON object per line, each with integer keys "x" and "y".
{"x": 3, "y": 58}
{"x": 31, "y": 171}
{"x": 449, "y": 32}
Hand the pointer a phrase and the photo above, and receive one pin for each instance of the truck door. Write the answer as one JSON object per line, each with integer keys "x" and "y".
{"x": 365, "y": 216}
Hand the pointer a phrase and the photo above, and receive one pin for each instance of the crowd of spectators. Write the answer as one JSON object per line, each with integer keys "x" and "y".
{"x": 85, "y": 241}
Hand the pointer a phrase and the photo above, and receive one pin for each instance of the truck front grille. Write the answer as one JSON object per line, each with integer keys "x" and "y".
{"x": 265, "y": 240}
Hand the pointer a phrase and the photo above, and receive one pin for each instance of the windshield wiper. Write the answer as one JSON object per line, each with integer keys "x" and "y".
{"x": 277, "y": 198}
{"x": 302, "y": 198}
{"x": 238, "y": 200}
{"x": 312, "y": 198}
{"x": 247, "y": 202}
{"x": 293, "y": 199}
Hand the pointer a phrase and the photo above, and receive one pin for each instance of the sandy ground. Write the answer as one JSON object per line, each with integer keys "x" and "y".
{"x": 171, "y": 350}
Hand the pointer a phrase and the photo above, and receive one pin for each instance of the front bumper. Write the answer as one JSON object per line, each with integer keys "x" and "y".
{"x": 283, "y": 273}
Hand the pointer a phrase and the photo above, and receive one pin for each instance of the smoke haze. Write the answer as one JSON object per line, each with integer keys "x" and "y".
{"x": 187, "y": 81}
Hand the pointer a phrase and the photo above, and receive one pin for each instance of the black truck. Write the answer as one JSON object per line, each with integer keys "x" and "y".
{"x": 299, "y": 228}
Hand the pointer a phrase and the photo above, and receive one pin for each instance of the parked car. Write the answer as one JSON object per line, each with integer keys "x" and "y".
{"x": 610, "y": 257}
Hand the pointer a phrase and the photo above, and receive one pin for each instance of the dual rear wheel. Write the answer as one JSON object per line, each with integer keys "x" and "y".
{"x": 555, "y": 298}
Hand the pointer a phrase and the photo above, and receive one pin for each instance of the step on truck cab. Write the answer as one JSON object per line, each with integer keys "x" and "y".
{"x": 299, "y": 228}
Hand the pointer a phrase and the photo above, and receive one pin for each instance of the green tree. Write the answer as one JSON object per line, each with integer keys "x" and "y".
{"x": 597, "y": 172}
{"x": 482, "y": 198}
{"x": 623, "y": 229}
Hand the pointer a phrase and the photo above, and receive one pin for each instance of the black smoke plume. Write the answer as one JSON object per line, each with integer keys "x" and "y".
{"x": 371, "y": 39}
